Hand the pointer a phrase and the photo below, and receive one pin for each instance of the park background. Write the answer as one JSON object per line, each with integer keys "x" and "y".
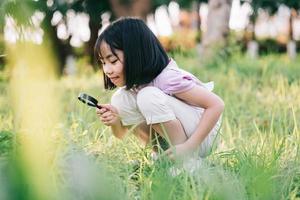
{"x": 54, "y": 147}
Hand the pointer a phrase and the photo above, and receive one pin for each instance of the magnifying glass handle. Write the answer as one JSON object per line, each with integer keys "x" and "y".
{"x": 97, "y": 106}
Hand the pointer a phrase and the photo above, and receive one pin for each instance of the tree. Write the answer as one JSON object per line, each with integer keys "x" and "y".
{"x": 217, "y": 26}
{"x": 139, "y": 8}
{"x": 195, "y": 6}
{"x": 22, "y": 10}
{"x": 271, "y": 6}
{"x": 94, "y": 9}
{"x": 294, "y": 5}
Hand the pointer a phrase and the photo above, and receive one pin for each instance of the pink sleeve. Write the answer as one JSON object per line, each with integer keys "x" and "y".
{"x": 174, "y": 81}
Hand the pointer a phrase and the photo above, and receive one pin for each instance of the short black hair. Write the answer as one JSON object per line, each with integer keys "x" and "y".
{"x": 144, "y": 56}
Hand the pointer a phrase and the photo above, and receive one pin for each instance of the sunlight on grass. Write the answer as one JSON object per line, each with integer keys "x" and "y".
{"x": 36, "y": 112}
{"x": 66, "y": 152}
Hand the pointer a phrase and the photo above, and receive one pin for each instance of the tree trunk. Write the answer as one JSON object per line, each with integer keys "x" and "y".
{"x": 291, "y": 45}
{"x": 252, "y": 49}
{"x": 252, "y": 45}
{"x": 94, "y": 27}
{"x": 61, "y": 48}
{"x": 217, "y": 25}
{"x": 139, "y": 8}
{"x": 196, "y": 23}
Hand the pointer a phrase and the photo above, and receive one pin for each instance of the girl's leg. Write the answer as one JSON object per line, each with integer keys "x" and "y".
{"x": 142, "y": 132}
{"x": 155, "y": 135}
{"x": 173, "y": 129}
{"x": 126, "y": 103}
{"x": 152, "y": 103}
{"x": 179, "y": 119}
{"x": 155, "y": 107}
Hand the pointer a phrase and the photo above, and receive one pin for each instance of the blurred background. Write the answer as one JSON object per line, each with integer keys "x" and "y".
{"x": 54, "y": 147}
{"x": 72, "y": 26}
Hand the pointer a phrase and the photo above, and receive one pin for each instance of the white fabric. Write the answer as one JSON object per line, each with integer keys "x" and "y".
{"x": 152, "y": 105}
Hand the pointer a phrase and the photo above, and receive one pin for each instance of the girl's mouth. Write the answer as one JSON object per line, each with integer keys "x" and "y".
{"x": 113, "y": 79}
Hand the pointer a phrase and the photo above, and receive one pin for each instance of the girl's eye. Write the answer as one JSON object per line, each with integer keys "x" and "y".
{"x": 114, "y": 61}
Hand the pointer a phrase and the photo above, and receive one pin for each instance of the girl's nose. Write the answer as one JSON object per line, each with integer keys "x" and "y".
{"x": 107, "y": 69}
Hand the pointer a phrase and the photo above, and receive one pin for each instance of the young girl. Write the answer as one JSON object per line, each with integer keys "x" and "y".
{"x": 153, "y": 93}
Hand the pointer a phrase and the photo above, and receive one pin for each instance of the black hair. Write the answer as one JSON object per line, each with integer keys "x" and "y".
{"x": 144, "y": 56}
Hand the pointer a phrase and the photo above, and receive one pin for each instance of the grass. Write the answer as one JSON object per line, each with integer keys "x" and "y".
{"x": 257, "y": 157}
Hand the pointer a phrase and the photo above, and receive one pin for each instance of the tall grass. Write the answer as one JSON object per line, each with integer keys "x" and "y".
{"x": 257, "y": 157}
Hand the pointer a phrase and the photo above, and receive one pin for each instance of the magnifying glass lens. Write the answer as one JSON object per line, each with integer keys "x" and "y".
{"x": 89, "y": 100}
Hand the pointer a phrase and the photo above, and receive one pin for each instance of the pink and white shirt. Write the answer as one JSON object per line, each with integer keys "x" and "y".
{"x": 175, "y": 80}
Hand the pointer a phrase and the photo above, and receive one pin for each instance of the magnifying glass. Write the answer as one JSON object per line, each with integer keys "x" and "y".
{"x": 89, "y": 100}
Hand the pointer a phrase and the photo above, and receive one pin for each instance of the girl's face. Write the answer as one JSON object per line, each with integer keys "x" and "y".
{"x": 113, "y": 65}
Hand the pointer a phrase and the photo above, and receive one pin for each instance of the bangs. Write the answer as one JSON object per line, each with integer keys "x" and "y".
{"x": 104, "y": 37}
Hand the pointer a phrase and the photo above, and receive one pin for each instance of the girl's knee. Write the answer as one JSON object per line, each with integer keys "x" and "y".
{"x": 152, "y": 103}
{"x": 125, "y": 102}
{"x": 150, "y": 98}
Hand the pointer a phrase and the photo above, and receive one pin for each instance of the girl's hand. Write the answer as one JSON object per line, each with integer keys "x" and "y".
{"x": 108, "y": 114}
{"x": 179, "y": 151}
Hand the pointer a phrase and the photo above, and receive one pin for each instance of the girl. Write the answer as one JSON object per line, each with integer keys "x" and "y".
{"x": 153, "y": 93}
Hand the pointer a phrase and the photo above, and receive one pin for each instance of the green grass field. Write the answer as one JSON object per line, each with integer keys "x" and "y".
{"x": 258, "y": 156}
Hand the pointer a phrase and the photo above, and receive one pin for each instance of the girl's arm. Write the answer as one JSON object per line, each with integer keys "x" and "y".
{"x": 109, "y": 115}
{"x": 119, "y": 130}
{"x": 213, "y": 105}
